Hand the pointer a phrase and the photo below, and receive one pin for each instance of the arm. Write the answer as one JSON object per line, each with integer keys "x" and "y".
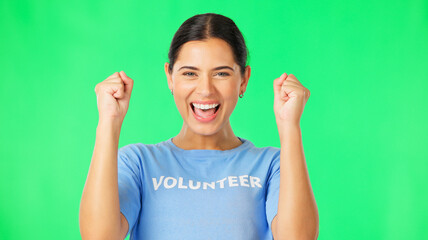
{"x": 100, "y": 216}
{"x": 297, "y": 216}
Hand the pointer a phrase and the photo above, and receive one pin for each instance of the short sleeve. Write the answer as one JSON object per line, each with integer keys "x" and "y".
{"x": 272, "y": 193}
{"x": 129, "y": 187}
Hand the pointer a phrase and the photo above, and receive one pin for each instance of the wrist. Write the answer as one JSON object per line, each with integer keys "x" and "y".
{"x": 282, "y": 124}
{"x": 113, "y": 122}
{"x": 109, "y": 126}
{"x": 288, "y": 128}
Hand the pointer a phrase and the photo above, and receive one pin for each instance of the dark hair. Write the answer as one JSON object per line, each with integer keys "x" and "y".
{"x": 205, "y": 26}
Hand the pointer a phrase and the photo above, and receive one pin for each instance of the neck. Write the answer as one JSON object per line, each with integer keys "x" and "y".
{"x": 224, "y": 139}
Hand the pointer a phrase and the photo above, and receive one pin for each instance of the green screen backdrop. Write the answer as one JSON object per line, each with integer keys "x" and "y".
{"x": 364, "y": 127}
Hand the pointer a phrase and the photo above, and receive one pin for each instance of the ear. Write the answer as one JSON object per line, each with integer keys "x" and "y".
{"x": 244, "y": 80}
{"x": 168, "y": 76}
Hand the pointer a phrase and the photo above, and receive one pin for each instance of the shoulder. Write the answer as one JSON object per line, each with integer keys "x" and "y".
{"x": 267, "y": 155}
{"x": 130, "y": 150}
{"x": 271, "y": 155}
{"x": 134, "y": 156}
{"x": 268, "y": 151}
{"x": 140, "y": 150}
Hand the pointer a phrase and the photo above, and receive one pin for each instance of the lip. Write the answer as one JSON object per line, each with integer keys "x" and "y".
{"x": 205, "y": 102}
{"x": 205, "y": 120}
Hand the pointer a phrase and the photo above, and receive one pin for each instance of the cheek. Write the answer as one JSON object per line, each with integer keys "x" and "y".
{"x": 184, "y": 87}
{"x": 181, "y": 96}
{"x": 230, "y": 97}
{"x": 229, "y": 91}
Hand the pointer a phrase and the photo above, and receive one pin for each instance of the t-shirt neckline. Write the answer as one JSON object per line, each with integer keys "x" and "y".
{"x": 209, "y": 152}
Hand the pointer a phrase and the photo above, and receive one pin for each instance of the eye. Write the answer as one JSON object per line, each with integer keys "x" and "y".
{"x": 186, "y": 74}
{"x": 223, "y": 74}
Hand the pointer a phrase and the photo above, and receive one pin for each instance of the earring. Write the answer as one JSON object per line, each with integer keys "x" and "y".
{"x": 172, "y": 92}
{"x": 241, "y": 95}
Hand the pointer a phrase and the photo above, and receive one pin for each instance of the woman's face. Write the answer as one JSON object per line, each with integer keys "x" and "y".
{"x": 206, "y": 74}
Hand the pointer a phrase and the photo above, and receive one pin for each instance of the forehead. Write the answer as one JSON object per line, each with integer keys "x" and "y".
{"x": 210, "y": 52}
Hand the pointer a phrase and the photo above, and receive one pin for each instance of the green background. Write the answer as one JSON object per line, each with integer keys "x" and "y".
{"x": 365, "y": 141}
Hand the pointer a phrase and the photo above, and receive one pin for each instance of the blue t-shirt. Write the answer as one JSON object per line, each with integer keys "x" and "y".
{"x": 167, "y": 192}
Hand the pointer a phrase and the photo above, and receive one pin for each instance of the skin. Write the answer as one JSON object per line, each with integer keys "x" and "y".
{"x": 99, "y": 214}
{"x": 297, "y": 216}
{"x": 205, "y": 84}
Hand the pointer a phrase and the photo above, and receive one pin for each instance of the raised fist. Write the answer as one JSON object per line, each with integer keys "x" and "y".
{"x": 113, "y": 95}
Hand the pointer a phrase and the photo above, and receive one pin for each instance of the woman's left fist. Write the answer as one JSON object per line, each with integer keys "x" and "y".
{"x": 289, "y": 100}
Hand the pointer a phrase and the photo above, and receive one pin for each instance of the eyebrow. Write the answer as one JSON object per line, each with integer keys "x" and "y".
{"x": 217, "y": 68}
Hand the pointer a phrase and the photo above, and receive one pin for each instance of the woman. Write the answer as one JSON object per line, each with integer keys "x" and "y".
{"x": 204, "y": 183}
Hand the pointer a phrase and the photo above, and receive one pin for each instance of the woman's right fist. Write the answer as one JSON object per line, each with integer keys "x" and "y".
{"x": 113, "y": 95}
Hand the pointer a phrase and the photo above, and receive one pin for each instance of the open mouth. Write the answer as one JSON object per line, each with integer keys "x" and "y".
{"x": 215, "y": 111}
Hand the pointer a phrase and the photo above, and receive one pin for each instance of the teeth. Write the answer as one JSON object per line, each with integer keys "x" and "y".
{"x": 205, "y": 106}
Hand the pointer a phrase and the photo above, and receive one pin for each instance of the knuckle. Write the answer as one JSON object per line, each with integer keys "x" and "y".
{"x": 116, "y": 80}
{"x": 114, "y": 75}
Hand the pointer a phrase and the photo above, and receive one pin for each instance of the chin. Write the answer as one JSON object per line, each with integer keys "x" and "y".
{"x": 203, "y": 130}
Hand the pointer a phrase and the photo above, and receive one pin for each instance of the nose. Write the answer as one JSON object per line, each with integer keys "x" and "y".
{"x": 205, "y": 86}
